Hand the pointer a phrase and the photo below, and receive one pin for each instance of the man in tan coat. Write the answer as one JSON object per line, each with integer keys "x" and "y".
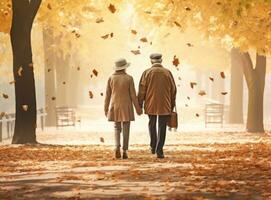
{"x": 121, "y": 96}
{"x": 157, "y": 91}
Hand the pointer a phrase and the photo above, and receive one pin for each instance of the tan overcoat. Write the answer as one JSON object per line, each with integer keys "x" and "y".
{"x": 157, "y": 91}
{"x": 121, "y": 96}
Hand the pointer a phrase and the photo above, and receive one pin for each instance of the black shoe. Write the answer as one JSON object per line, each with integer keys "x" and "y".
{"x": 124, "y": 155}
{"x": 117, "y": 154}
{"x": 152, "y": 150}
{"x": 160, "y": 154}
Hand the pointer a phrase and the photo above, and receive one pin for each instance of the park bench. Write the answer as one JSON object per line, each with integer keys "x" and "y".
{"x": 9, "y": 121}
{"x": 65, "y": 116}
{"x": 214, "y": 113}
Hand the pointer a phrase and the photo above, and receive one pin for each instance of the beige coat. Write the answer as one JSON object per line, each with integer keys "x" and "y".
{"x": 157, "y": 91}
{"x": 122, "y": 95}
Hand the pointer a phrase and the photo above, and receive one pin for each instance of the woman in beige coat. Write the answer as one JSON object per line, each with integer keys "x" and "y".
{"x": 121, "y": 96}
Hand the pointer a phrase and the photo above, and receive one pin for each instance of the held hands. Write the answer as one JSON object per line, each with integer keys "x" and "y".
{"x": 106, "y": 112}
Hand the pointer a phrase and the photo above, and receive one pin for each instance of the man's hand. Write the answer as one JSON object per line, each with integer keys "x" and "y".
{"x": 139, "y": 112}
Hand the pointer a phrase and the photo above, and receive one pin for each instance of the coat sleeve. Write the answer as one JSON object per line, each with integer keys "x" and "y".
{"x": 107, "y": 96}
{"x": 173, "y": 91}
{"x": 133, "y": 95}
{"x": 142, "y": 90}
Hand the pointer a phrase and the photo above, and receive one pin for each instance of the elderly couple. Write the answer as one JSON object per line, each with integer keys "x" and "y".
{"x": 157, "y": 91}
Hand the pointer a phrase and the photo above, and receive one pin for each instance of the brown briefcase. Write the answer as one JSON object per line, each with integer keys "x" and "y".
{"x": 173, "y": 120}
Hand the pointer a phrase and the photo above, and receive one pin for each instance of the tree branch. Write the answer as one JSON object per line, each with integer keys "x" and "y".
{"x": 34, "y": 7}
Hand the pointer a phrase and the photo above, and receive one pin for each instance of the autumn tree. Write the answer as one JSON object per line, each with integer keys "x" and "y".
{"x": 244, "y": 25}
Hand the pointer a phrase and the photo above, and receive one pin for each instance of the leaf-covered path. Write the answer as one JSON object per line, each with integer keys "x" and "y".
{"x": 230, "y": 170}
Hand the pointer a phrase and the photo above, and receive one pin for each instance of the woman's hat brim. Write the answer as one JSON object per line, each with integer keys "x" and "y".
{"x": 122, "y": 67}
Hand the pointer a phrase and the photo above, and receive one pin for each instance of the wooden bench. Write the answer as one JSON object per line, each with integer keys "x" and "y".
{"x": 9, "y": 121}
{"x": 65, "y": 116}
{"x": 214, "y": 114}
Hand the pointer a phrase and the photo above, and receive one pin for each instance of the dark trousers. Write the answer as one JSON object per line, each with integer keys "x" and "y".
{"x": 158, "y": 141}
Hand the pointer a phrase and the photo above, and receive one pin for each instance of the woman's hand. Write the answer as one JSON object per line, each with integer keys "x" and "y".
{"x": 139, "y": 111}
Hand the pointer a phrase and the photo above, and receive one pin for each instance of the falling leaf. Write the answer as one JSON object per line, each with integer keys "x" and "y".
{"x": 186, "y": 105}
{"x": 95, "y": 72}
{"x": 224, "y": 93}
{"x": 144, "y": 39}
{"x": 178, "y": 24}
{"x": 134, "y": 32}
{"x": 78, "y": 68}
{"x": 53, "y": 98}
{"x": 25, "y": 107}
{"x": 30, "y": 65}
{"x": 111, "y": 35}
{"x": 12, "y": 82}
{"x": 77, "y": 35}
{"x": 175, "y": 61}
{"x": 49, "y": 70}
{"x": 166, "y": 35}
{"x": 105, "y": 36}
{"x": 20, "y": 70}
{"x": 5, "y": 96}
{"x": 91, "y": 76}
{"x": 188, "y": 9}
{"x": 102, "y": 94}
{"x": 136, "y": 52}
{"x": 49, "y": 6}
{"x": 188, "y": 98}
{"x": 193, "y": 84}
{"x": 222, "y": 74}
{"x": 99, "y": 20}
{"x": 202, "y": 93}
{"x": 197, "y": 115}
{"x": 112, "y": 8}
{"x": 211, "y": 79}
{"x": 179, "y": 78}
{"x": 64, "y": 83}
{"x": 2, "y": 114}
{"x": 90, "y": 94}
{"x": 101, "y": 139}
{"x": 189, "y": 44}
{"x": 148, "y": 12}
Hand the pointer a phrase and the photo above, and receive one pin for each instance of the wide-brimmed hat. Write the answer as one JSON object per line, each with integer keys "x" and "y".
{"x": 121, "y": 64}
{"x": 156, "y": 57}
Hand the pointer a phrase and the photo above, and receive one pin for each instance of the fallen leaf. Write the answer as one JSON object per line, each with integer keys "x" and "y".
{"x": 187, "y": 9}
{"x": 136, "y": 52}
{"x": 112, "y": 8}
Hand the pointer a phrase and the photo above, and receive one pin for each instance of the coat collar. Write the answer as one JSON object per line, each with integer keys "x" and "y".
{"x": 119, "y": 72}
{"x": 157, "y": 65}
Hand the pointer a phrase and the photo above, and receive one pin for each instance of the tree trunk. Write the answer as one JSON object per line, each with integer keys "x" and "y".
{"x": 24, "y": 13}
{"x": 255, "y": 78}
{"x": 236, "y": 96}
{"x": 50, "y": 78}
